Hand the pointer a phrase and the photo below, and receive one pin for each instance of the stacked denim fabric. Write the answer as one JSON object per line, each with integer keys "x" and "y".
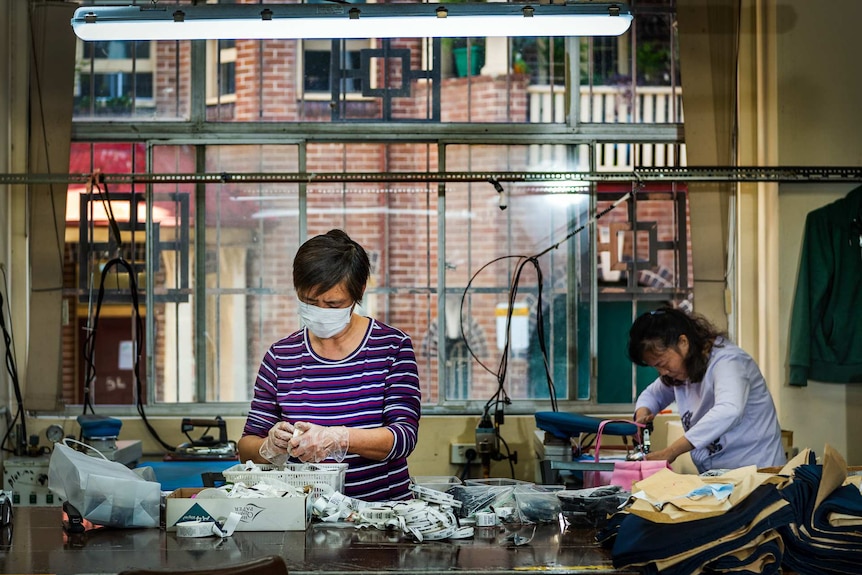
{"x": 692, "y": 533}
{"x": 825, "y": 536}
{"x": 807, "y": 517}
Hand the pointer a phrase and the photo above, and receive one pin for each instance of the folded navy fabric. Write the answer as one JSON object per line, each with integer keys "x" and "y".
{"x": 812, "y": 545}
{"x": 847, "y": 500}
{"x": 719, "y": 557}
{"x": 764, "y": 559}
{"x": 739, "y": 541}
{"x": 639, "y": 542}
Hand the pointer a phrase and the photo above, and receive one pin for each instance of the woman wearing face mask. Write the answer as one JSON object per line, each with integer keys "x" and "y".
{"x": 344, "y": 387}
{"x": 726, "y": 410}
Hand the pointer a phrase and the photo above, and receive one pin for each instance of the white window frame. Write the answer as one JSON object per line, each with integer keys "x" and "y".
{"x": 114, "y": 65}
{"x": 215, "y": 58}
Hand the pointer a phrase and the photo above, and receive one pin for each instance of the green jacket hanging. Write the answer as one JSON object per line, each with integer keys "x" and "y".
{"x": 826, "y": 325}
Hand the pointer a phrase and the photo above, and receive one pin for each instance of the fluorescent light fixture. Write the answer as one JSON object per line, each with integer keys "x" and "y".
{"x": 155, "y": 21}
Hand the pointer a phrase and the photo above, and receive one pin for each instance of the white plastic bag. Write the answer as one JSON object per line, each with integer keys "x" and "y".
{"x": 104, "y": 492}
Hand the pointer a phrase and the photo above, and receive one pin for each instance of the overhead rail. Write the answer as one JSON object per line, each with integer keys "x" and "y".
{"x": 806, "y": 174}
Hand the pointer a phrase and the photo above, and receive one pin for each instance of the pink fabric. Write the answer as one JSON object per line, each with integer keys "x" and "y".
{"x": 597, "y": 478}
{"x": 625, "y": 472}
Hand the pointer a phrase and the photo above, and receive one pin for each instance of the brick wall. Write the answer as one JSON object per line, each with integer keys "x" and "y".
{"x": 171, "y": 79}
{"x": 396, "y": 222}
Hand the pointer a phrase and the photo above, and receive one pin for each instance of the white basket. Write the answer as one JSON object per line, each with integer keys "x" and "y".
{"x": 318, "y": 476}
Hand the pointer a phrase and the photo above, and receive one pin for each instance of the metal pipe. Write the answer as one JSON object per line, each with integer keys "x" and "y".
{"x": 813, "y": 174}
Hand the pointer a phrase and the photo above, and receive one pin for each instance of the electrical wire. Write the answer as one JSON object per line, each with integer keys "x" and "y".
{"x": 96, "y": 183}
{"x": 500, "y": 398}
{"x": 12, "y": 369}
{"x": 523, "y": 260}
{"x": 471, "y": 456}
{"x": 499, "y": 395}
{"x": 11, "y": 366}
{"x": 509, "y": 456}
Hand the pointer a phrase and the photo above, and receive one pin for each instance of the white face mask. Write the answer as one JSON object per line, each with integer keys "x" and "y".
{"x": 324, "y": 322}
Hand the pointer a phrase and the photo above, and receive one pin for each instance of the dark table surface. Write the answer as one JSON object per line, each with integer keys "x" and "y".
{"x": 37, "y": 544}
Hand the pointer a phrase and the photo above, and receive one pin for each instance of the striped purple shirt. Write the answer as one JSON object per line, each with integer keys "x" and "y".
{"x": 375, "y": 386}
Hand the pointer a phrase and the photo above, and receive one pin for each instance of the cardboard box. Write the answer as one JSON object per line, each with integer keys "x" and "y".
{"x": 258, "y": 513}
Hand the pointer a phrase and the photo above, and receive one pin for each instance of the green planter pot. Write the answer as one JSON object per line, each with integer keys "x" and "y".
{"x": 477, "y": 59}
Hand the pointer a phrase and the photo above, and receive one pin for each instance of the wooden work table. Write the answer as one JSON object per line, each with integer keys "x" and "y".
{"x": 38, "y": 544}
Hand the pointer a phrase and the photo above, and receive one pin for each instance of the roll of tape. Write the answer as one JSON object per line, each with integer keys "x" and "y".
{"x": 486, "y": 519}
{"x": 375, "y": 514}
{"x": 195, "y": 528}
{"x": 438, "y": 534}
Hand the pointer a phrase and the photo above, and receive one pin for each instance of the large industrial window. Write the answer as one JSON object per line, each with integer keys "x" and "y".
{"x": 236, "y": 255}
{"x": 633, "y": 78}
{"x": 212, "y": 259}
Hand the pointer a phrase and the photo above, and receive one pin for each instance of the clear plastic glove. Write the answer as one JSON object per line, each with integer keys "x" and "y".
{"x": 276, "y": 447}
{"x": 313, "y": 443}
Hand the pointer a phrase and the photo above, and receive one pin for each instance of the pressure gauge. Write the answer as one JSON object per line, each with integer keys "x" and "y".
{"x": 54, "y": 433}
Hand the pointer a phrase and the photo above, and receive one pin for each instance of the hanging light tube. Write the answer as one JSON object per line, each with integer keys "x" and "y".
{"x": 322, "y": 21}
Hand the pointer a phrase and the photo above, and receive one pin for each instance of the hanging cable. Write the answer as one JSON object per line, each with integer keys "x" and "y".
{"x": 12, "y": 369}
{"x": 500, "y": 398}
{"x": 90, "y": 344}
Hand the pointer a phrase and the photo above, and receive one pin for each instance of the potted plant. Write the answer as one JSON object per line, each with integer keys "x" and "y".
{"x": 468, "y": 55}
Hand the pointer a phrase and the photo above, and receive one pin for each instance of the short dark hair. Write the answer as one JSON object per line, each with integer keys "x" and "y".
{"x": 660, "y": 329}
{"x": 325, "y": 261}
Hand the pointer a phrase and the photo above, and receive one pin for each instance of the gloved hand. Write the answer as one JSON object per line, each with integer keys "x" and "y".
{"x": 276, "y": 447}
{"x": 313, "y": 443}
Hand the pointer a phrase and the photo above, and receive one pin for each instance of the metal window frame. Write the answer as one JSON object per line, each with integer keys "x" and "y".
{"x": 200, "y": 133}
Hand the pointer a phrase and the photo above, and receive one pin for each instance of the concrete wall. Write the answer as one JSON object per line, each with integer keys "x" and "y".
{"x": 820, "y": 122}
{"x": 799, "y": 100}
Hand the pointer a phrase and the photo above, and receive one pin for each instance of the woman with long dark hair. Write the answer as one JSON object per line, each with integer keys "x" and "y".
{"x": 727, "y": 413}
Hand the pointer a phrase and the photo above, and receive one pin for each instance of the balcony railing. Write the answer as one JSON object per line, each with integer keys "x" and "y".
{"x": 609, "y": 105}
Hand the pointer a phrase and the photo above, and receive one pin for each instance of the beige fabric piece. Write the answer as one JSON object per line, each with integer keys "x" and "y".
{"x": 834, "y": 474}
{"x": 662, "y": 497}
{"x": 842, "y": 519}
{"x": 744, "y": 553}
{"x": 814, "y": 539}
{"x": 800, "y": 459}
